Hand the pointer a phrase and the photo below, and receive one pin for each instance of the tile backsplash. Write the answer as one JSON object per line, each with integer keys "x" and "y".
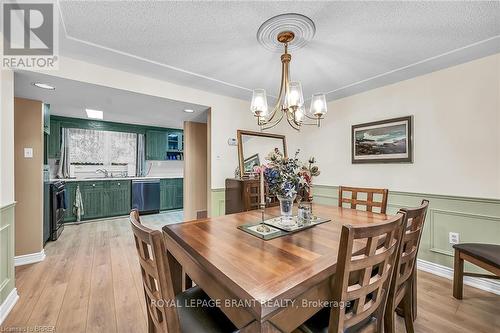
{"x": 155, "y": 168}
{"x": 165, "y": 168}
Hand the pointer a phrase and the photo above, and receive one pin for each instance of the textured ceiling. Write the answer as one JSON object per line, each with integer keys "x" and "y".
{"x": 71, "y": 98}
{"x": 213, "y": 46}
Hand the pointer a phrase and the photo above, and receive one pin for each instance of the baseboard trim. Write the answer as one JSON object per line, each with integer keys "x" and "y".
{"x": 29, "y": 258}
{"x": 492, "y": 286}
{"x": 8, "y": 304}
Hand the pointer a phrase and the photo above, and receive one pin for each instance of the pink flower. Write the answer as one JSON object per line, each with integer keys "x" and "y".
{"x": 259, "y": 168}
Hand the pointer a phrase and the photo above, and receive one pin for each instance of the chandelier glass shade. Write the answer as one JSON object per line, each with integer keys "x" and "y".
{"x": 290, "y": 102}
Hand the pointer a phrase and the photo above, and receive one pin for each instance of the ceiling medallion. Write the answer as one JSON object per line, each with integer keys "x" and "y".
{"x": 288, "y": 32}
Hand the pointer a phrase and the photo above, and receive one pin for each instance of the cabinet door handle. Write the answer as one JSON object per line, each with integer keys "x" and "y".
{"x": 93, "y": 185}
{"x": 118, "y": 184}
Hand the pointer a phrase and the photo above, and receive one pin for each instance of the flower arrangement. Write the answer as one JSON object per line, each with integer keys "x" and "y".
{"x": 287, "y": 176}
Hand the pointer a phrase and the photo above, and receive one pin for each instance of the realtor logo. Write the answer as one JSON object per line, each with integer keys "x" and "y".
{"x": 29, "y": 35}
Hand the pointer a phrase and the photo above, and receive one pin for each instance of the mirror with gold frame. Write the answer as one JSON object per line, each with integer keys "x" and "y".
{"x": 253, "y": 147}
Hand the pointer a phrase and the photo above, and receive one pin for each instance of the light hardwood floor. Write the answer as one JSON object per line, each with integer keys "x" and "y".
{"x": 90, "y": 282}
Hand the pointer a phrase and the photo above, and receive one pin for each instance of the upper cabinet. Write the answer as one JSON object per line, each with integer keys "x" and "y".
{"x": 161, "y": 144}
{"x": 164, "y": 145}
{"x": 54, "y": 143}
{"x": 46, "y": 118}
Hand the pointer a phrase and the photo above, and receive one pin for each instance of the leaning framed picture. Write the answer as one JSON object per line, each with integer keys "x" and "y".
{"x": 385, "y": 141}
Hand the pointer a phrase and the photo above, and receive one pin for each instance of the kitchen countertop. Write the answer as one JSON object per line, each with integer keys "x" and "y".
{"x": 111, "y": 178}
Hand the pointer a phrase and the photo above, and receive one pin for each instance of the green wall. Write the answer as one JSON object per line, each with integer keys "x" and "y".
{"x": 7, "y": 282}
{"x": 476, "y": 219}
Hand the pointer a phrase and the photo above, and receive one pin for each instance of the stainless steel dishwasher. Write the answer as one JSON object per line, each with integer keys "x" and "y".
{"x": 146, "y": 195}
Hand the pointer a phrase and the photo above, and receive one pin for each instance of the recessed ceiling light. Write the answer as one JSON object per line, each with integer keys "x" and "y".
{"x": 94, "y": 114}
{"x": 189, "y": 110}
{"x": 43, "y": 86}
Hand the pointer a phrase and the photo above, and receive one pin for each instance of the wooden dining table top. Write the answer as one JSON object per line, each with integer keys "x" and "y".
{"x": 268, "y": 270}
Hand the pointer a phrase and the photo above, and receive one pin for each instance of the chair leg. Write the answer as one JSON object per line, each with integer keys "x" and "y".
{"x": 458, "y": 276}
{"x": 414, "y": 295}
{"x": 407, "y": 306}
{"x": 389, "y": 323}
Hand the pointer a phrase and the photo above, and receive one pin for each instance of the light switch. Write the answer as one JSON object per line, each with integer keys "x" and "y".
{"x": 28, "y": 152}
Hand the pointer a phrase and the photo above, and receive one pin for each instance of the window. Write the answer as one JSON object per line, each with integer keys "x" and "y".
{"x": 94, "y": 149}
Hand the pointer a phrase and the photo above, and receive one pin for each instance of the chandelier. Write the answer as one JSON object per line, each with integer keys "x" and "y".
{"x": 290, "y": 103}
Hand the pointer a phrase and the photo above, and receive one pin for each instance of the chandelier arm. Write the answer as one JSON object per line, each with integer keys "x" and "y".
{"x": 269, "y": 124}
{"x": 280, "y": 95}
{"x": 312, "y": 118}
{"x": 292, "y": 124}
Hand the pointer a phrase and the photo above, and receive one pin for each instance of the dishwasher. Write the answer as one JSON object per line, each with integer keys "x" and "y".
{"x": 146, "y": 195}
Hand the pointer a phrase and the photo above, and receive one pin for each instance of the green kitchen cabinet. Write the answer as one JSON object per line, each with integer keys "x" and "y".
{"x": 93, "y": 199}
{"x": 178, "y": 193}
{"x": 165, "y": 195}
{"x": 117, "y": 197}
{"x": 70, "y": 199}
{"x": 156, "y": 145}
{"x": 46, "y": 118}
{"x": 54, "y": 144}
{"x": 171, "y": 193}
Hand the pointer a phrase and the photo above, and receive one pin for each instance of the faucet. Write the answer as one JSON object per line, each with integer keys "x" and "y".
{"x": 104, "y": 171}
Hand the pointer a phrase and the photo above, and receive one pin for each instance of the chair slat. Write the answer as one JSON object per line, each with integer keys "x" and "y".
{"x": 370, "y": 201}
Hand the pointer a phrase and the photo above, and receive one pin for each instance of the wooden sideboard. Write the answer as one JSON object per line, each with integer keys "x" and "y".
{"x": 244, "y": 194}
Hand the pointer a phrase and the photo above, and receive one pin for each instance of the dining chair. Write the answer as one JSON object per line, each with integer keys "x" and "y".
{"x": 486, "y": 256}
{"x": 359, "y": 295}
{"x": 375, "y": 197}
{"x": 168, "y": 312}
{"x": 403, "y": 284}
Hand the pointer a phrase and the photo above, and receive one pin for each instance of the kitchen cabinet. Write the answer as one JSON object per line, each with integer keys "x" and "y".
{"x": 103, "y": 198}
{"x": 54, "y": 144}
{"x": 117, "y": 198}
{"x": 171, "y": 193}
{"x": 156, "y": 145}
{"x": 70, "y": 199}
{"x": 164, "y": 145}
{"x": 93, "y": 199}
{"x": 108, "y": 198}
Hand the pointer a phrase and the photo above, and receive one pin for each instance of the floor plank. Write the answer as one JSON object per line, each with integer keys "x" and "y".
{"x": 91, "y": 282}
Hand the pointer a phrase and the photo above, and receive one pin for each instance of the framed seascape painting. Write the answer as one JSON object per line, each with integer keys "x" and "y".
{"x": 385, "y": 141}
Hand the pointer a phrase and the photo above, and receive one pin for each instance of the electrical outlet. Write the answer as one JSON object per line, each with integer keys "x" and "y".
{"x": 454, "y": 237}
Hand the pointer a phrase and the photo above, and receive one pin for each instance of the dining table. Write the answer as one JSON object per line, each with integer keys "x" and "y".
{"x": 262, "y": 285}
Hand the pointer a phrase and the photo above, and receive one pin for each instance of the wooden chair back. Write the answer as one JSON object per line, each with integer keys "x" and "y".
{"x": 355, "y": 199}
{"x": 406, "y": 261}
{"x": 363, "y": 278}
{"x": 156, "y": 278}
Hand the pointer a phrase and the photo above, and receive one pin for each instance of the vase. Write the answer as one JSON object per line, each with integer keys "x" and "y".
{"x": 286, "y": 206}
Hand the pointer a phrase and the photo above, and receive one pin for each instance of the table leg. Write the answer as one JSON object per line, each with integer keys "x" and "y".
{"x": 175, "y": 273}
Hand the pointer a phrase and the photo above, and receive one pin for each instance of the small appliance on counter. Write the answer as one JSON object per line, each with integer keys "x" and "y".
{"x": 146, "y": 195}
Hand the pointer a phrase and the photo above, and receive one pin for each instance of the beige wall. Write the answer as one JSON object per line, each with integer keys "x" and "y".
{"x": 28, "y": 132}
{"x": 195, "y": 169}
{"x": 456, "y": 133}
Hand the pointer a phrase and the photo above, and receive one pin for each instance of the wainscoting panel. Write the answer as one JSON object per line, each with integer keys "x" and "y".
{"x": 7, "y": 282}
{"x": 218, "y": 202}
{"x": 475, "y": 219}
